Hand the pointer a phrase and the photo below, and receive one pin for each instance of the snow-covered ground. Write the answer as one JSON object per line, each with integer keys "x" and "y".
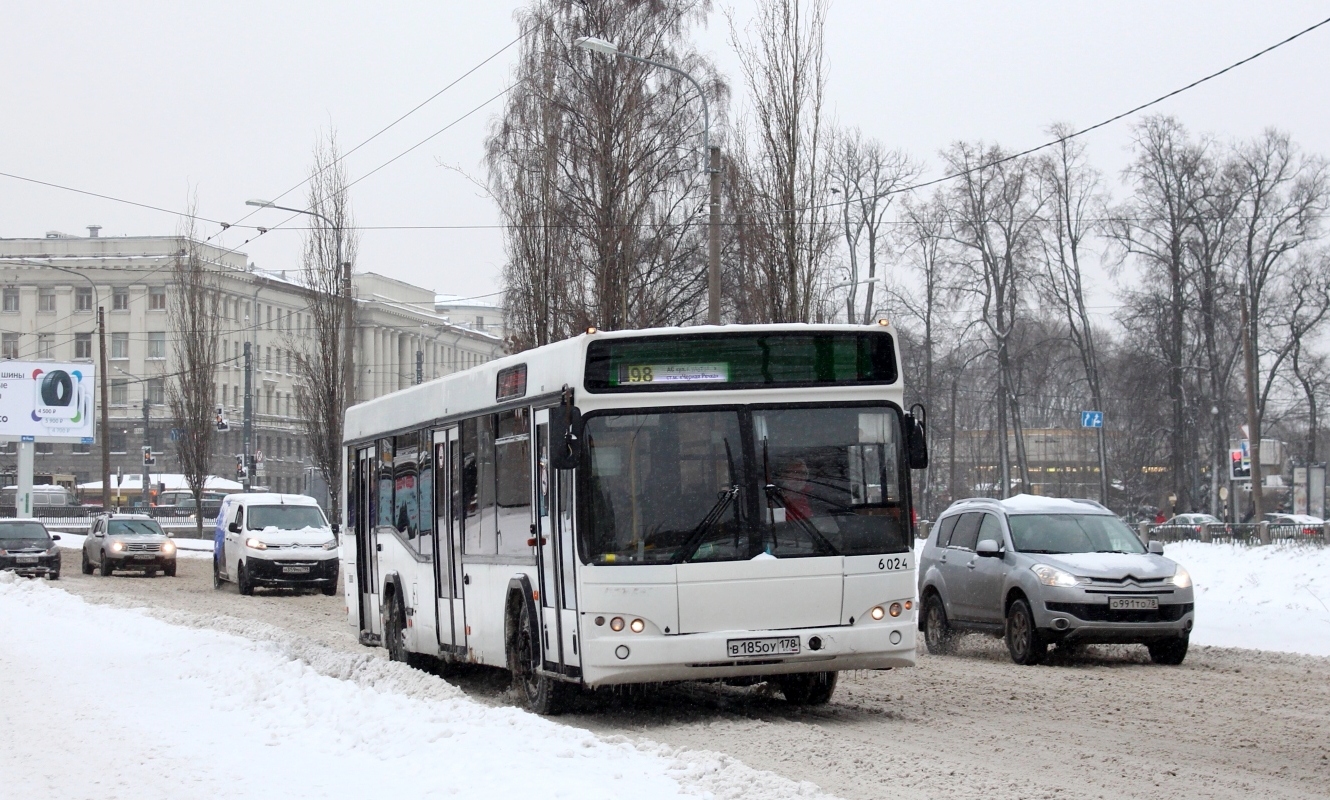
{"x": 114, "y": 703}
{"x": 1275, "y": 597}
{"x": 185, "y": 548}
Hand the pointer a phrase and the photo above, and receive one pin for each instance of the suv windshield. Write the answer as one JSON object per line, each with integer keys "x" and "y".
{"x": 12, "y": 532}
{"x": 284, "y": 518}
{"x": 1072, "y": 533}
{"x": 134, "y": 527}
{"x": 730, "y": 485}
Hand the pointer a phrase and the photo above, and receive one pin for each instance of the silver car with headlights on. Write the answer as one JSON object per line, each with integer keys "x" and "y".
{"x": 128, "y": 542}
{"x": 1041, "y": 571}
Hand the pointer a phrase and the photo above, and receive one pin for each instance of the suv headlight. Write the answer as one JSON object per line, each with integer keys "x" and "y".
{"x": 116, "y": 547}
{"x": 1052, "y": 576}
{"x": 1181, "y": 578}
{"x": 255, "y": 544}
{"x": 168, "y": 548}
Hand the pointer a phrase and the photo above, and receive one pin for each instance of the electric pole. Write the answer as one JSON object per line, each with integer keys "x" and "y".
{"x": 249, "y": 416}
{"x": 1253, "y": 421}
{"x": 713, "y": 241}
{"x": 147, "y": 449}
{"x": 106, "y": 422}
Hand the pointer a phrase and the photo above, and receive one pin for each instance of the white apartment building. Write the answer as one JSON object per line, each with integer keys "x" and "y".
{"x": 51, "y": 287}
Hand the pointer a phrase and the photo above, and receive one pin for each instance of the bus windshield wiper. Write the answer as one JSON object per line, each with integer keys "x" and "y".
{"x": 695, "y": 538}
{"x": 774, "y": 492}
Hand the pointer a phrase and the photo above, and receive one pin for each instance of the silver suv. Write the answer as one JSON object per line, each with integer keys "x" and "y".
{"x": 128, "y": 541}
{"x": 1041, "y": 571}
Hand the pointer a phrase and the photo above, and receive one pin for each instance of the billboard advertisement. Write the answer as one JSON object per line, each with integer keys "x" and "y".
{"x": 44, "y": 401}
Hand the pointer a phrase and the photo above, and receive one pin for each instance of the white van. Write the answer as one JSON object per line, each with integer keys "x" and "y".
{"x": 267, "y": 539}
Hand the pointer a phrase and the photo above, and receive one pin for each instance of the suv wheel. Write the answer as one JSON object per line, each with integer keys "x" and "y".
{"x": 1026, "y": 645}
{"x": 938, "y": 635}
{"x": 1170, "y": 651}
{"x": 87, "y": 565}
{"x": 107, "y": 567}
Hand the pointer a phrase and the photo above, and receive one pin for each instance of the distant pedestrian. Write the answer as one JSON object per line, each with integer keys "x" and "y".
{"x": 1159, "y": 517}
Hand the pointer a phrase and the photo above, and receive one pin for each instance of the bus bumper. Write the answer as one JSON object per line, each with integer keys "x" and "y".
{"x": 624, "y": 657}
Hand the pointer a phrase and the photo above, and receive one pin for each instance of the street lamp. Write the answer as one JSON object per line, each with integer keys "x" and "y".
{"x": 713, "y": 169}
{"x": 348, "y": 343}
{"x": 147, "y": 440}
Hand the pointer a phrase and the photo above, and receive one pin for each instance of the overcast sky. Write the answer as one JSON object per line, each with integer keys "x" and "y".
{"x": 143, "y": 101}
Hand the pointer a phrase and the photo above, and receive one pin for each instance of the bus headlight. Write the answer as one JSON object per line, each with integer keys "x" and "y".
{"x": 877, "y": 612}
{"x": 895, "y": 609}
{"x": 637, "y": 626}
{"x": 616, "y": 624}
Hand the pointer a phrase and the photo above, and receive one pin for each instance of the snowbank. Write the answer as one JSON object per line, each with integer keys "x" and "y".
{"x": 163, "y": 710}
{"x": 1275, "y": 597}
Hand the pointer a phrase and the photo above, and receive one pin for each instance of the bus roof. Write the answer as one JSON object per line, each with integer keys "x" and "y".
{"x": 548, "y": 370}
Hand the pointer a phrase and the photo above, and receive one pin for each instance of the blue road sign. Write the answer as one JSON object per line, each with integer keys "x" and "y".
{"x": 1092, "y": 419}
{"x": 175, "y": 434}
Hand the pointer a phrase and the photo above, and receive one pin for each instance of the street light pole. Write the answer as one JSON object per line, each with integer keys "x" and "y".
{"x": 710, "y": 160}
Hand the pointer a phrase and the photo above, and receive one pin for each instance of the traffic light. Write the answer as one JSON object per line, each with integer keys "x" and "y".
{"x": 1239, "y": 467}
{"x": 148, "y": 458}
{"x": 240, "y": 468}
{"x": 222, "y": 424}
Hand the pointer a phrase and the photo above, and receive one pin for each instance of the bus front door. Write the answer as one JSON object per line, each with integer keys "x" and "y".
{"x": 451, "y": 606}
{"x": 558, "y": 595}
{"x": 367, "y": 559}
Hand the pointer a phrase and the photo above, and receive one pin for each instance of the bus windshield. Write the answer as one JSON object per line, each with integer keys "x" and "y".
{"x": 741, "y": 483}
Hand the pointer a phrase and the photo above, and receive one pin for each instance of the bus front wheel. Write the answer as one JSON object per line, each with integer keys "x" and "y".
{"x": 809, "y": 688}
{"x": 543, "y": 695}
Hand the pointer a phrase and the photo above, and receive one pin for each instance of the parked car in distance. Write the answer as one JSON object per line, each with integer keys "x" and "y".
{"x": 1305, "y": 523}
{"x": 1039, "y": 571}
{"x": 268, "y": 539}
{"x": 27, "y": 548}
{"x": 181, "y": 503}
{"x": 1193, "y": 521}
{"x": 128, "y": 541}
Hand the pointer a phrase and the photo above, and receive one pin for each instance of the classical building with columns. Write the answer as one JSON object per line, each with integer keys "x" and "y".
{"x": 51, "y": 288}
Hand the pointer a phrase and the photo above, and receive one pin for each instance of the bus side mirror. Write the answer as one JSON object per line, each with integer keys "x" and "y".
{"x": 565, "y": 437}
{"x": 916, "y": 437}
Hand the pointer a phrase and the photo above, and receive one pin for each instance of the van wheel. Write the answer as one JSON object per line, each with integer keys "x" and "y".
{"x": 938, "y": 635}
{"x": 1026, "y": 645}
{"x": 809, "y": 688}
{"x": 107, "y": 567}
{"x": 87, "y": 565}
{"x": 242, "y": 580}
{"x": 542, "y": 694}
{"x": 216, "y": 574}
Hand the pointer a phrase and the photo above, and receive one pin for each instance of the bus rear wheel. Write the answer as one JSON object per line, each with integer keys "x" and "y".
{"x": 541, "y": 693}
{"x": 809, "y": 688}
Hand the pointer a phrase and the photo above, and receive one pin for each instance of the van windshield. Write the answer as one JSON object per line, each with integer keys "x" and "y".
{"x": 284, "y": 518}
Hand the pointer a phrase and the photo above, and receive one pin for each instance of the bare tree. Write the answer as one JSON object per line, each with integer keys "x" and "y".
{"x": 1282, "y": 195}
{"x": 595, "y": 167}
{"x": 783, "y": 63}
{"x": 1309, "y": 308}
{"x": 867, "y": 177}
{"x": 1074, "y": 195}
{"x": 994, "y": 216}
{"x": 192, "y": 393}
{"x": 322, "y": 392}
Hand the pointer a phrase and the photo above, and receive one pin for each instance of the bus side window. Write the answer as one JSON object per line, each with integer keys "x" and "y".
{"x": 384, "y": 479}
{"x": 425, "y": 487}
{"x": 470, "y": 483}
{"x": 512, "y": 460}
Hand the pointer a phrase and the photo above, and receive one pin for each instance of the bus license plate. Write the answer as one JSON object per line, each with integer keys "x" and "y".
{"x": 295, "y": 570}
{"x": 1134, "y": 603}
{"x": 758, "y": 648}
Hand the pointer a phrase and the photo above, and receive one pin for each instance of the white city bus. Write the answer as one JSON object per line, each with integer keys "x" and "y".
{"x": 644, "y": 506}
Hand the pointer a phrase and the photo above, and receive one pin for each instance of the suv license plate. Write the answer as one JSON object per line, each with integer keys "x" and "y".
{"x": 295, "y": 570}
{"x": 757, "y": 648}
{"x": 1134, "y": 603}
{"x": 146, "y": 558}
{"x": 27, "y": 559}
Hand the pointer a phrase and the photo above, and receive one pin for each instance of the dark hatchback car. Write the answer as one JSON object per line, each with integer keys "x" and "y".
{"x": 26, "y": 547}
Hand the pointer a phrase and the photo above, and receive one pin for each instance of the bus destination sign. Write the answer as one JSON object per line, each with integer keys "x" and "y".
{"x": 673, "y": 373}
